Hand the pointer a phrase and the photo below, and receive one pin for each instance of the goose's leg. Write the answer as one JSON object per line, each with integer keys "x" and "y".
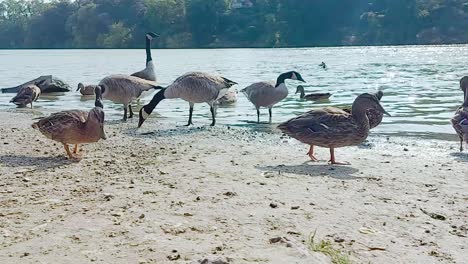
{"x": 213, "y": 115}
{"x": 75, "y": 150}
{"x": 130, "y": 110}
{"x": 332, "y": 158}
{"x": 258, "y": 114}
{"x": 269, "y": 112}
{"x": 311, "y": 153}
{"x": 125, "y": 113}
{"x": 190, "y": 114}
{"x": 31, "y": 105}
{"x": 461, "y": 144}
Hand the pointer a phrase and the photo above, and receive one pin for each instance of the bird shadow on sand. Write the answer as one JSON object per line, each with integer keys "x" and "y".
{"x": 315, "y": 170}
{"x": 460, "y": 156}
{"x": 161, "y": 133}
{"x": 43, "y": 163}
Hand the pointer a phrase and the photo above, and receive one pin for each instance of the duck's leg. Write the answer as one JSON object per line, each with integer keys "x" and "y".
{"x": 269, "y": 112}
{"x": 125, "y": 112}
{"x": 130, "y": 110}
{"x": 75, "y": 150}
{"x": 190, "y": 115}
{"x": 332, "y": 158}
{"x": 311, "y": 153}
{"x": 213, "y": 115}
{"x": 70, "y": 155}
{"x": 258, "y": 114}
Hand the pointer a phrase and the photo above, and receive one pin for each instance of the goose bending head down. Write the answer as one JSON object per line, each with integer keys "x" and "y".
{"x": 333, "y": 129}
{"x": 123, "y": 89}
{"x": 26, "y": 95}
{"x": 148, "y": 72}
{"x": 193, "y": 87}
{"x": 267, "y": 94}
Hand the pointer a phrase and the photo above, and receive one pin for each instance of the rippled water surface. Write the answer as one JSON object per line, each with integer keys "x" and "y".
{"x": 420, "y": 82}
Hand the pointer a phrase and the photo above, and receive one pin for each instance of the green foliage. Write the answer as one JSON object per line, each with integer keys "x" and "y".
{"x": 230, "y": 23}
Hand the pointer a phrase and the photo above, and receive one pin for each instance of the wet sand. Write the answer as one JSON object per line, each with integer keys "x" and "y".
{"x": 171, "y": 194}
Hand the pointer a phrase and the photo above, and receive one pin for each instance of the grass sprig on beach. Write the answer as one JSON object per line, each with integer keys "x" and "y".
{"x": 326, "y": 247}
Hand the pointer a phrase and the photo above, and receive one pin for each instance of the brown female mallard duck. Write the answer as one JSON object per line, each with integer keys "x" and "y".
{"x": 74, "y": 126}
{"x": 333, "y": 129}
{"x": 26, "y": 95}
{"x": 311, "y": 97}
{"x": 86, "y": 90}
{"x": 460, "y": 120}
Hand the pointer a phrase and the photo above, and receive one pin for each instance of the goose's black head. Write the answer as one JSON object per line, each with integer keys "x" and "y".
{"x": 151, "y": 35}
{"x": 293, "y": 75}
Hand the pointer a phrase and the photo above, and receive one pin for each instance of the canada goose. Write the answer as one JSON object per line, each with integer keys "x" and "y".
{"x": 74, "y": 126}
{"x": 86, "y": 90}
{"x": 124, "y": 89}
{"x": 26, "y": 95}
{"x": 333, "y": 130}
{"x": 267, "y": 94}
{"x": 460, "y": 119}
{"x": 311, "y": 97}
{"x": 193, "y": 87}
{"x": 148, "y": 72}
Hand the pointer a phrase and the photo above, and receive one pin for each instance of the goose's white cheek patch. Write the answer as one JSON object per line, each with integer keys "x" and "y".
{"x": 144, "y": 114}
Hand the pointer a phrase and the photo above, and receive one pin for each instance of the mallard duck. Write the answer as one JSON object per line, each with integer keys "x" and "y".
{"x": 311, "y": 97}
{"x": 460, "y": 120}
{"x": 148, "y": 72}
{"x": 229, "y": 98}
{"x": 124, "y": 89}
{"x": 26, "y": 95}
{"x": 333, "y": 129}
{"x": 267, "y": 94}
{"x": 375, "y": 117}
{"x": 193, "y": 87}
{"x": 74, "y": 126}
{"x": 86, "y": 90}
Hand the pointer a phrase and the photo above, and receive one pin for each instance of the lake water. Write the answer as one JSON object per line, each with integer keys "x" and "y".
{"x": 420, "y": 82}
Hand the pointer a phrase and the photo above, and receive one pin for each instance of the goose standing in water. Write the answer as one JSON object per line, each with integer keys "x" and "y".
{"x": 74, "y": 126}
{"x": 333, "y": 130}
{"x": 124, "y": 89}
{"x": 193, "y": 87}
{"x": 148, "y": 72}
{"x": 460, "y": 120}
{"x": 26, "y": 95}
{"x": 267, "y": 94}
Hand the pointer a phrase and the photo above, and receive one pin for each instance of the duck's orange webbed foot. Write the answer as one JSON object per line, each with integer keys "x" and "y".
{"x": 332, "y": 160}
{"x": 311, "y": 153}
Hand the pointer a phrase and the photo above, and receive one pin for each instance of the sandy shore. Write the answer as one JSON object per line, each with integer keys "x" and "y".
{"x": 169, "y": 194}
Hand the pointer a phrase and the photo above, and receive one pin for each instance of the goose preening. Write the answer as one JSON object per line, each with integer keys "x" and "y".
{"x": 229, "y": 98}
{"x": 193, "y": 87}
{"x": 333, "y": 129}
{"x": 124, "y": 89}
{"x": 148, "y": 72}
{"x": 74, "y": 126}
{"x": 86, "y": 90}
{"x": 26, "y": 95}
{"x": 267, "y": 94}
{"x": 311, "y": 97}
{"x": 460, "y": 120}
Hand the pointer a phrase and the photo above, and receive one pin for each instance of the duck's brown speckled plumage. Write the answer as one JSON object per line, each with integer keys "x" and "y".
{"x": 460, "y": 119}
{"x": 26, "y": 95}
{"x": 74, "y": 126}
{"x": 332, "y": 127}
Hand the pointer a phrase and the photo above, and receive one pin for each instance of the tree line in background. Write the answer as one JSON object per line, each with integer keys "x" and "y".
{"x": 230, "y": 23}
